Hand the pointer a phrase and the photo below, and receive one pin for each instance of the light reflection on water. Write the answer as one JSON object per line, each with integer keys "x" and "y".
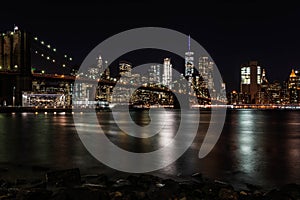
{"x": 258, "y": 147}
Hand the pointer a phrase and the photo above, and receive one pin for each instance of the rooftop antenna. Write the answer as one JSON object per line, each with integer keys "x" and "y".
{"x": 189, "y": 43}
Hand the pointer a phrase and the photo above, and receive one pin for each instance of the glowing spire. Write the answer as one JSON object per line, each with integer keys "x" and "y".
{"x": 293, "y": 73}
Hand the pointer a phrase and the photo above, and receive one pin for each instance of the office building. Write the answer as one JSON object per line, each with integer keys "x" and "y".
{"x": 167, "y": 73}
{"x": 250, "y": 79}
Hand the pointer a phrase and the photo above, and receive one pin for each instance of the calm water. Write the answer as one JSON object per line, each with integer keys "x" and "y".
{"x": 258, "y": 147}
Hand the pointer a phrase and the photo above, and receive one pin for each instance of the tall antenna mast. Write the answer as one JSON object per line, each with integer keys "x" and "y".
{"x": 189, "y": 43}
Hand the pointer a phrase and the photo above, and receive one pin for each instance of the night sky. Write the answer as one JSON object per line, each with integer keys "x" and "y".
{"x": 233, "y": 32}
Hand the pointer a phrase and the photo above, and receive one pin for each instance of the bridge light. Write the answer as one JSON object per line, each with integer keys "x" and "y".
{"x": 42, "y": 42}
{"x": 48, "y": 46}
{"x": 54, "y": 50}
{"x": 48, "y": 58}
{"x": 0, "y": 67}
{"x": 16, "y": 66}
{"x": 64, "y": 65}
{"x": 35, "y": 38}
{"x": 70, "y": 59}
{"x": 36, "y": 52}
{"x": 65, "y": 56}
{"x": 53, "y": 61}
{"x": 43, "y": 71}
{"x": 42, "y": 55}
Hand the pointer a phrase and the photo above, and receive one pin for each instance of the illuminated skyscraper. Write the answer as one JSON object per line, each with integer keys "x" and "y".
{"x": 293, "y": 87}
{"x": 154, "y": 74}
{"x": 189, "y": 62}
{"x": 167, "y": 73}
{"x": 250, "y": 79}
{"x": 206, "y": 71}
{"x": 99, "y": 63}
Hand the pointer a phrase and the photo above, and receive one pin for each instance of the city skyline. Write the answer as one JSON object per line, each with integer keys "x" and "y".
{"x": 232, "y": 32}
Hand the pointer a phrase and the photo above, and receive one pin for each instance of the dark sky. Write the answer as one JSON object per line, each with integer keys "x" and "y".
{"x": 233, "y": 32}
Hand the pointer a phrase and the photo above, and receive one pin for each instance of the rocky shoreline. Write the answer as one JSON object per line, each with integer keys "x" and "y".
{"x": 71, "y": 185}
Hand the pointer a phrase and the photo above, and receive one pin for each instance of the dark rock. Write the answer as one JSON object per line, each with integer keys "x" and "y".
{"x": 198, "y": 176}
{"x": 121, "y": 183}
{"x": 210, "y": 190}
{"x": 64, "y": 178}
{"x": 145, "y": 181}
{"x": 171, "y": 185}
{"x": 252, "y": 187}
{"x": 228, "y": 194}
{"x": 93, "y": 186}
{"x": 133, "y": 179}
{"x": 34, "y": 194}
{"x": 80, "y": 193}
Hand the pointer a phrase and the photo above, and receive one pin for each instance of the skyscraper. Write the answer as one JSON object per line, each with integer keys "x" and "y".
{"x": 250, "y": 79}
{"x": 293, "y": 87}
{"x": 189, "y": 62}
{"x": 167, "y": 73}
{"x": 206, "y": 71}
{"x": 154, "y": 74}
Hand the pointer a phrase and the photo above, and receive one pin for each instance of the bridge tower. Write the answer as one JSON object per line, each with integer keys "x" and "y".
{"x": 15, "y": 66}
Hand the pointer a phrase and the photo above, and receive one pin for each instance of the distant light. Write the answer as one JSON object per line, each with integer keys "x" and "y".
{"x": 36, "y": 52}
{"x": 48, "y": 46}
{"x": 42, "y": 42}
{"x": 43, "y": 71}
{"x": 65, "y": 56}
{"x": 48, "y": 58}
{"x": 36, "y": 113}
{"x": 54, "y": 113}
{"x": 35, "y": 38}
{"x": 42, "y": 55}
{"x": 54, "y": 50}
{"x": 64, "y": 65}
{"x": 16, "y": 66}
{"x": 70, "y": 59}
{"x": 0, "y": 67}
{"x": 16, "y": 28}
{"x": 53, "y": 61}
{"x": 11, "y": 33}
{"x": 46, "y": 113}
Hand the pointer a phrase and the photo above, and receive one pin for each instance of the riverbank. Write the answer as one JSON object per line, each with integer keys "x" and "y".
{"x": 71, "y": 185}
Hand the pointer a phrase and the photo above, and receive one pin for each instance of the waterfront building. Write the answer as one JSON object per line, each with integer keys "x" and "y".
{"x": 250, "y": 79}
